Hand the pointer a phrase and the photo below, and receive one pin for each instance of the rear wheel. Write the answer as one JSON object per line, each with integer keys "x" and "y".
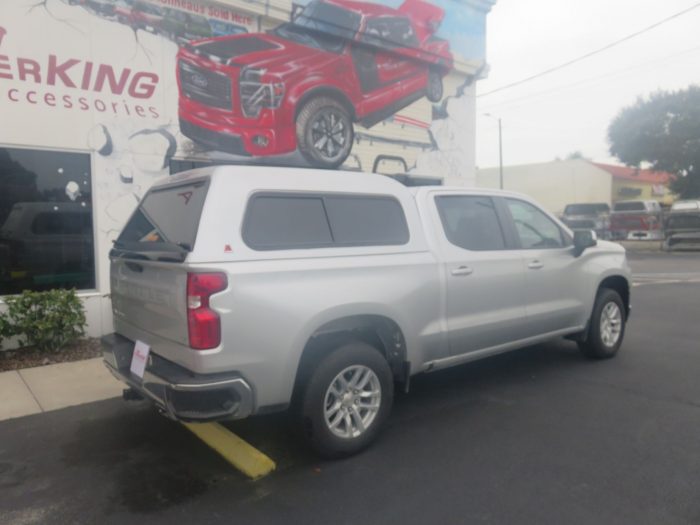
{"x": 607, "y": 326}
{"x": 324, "y": 132}
{"x": 346, "y": 400}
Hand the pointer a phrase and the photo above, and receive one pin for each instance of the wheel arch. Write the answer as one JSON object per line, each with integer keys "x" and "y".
{"x": 379, "y": 331}
{"x": 621, "y": 285}
{"x": 326, "y": 91}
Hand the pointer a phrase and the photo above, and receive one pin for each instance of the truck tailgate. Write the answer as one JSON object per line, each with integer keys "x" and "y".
{"x": 150, "y": 297}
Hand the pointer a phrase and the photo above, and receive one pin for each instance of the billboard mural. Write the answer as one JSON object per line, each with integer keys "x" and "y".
{"x": 304, "y": 84}
{"x": 151, "y": 87}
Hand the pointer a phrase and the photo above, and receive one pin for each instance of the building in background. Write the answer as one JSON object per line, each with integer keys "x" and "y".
{"x": 633, "y": 183}
{"x": 558, "y": 183}
{"x": 100, "y": 98}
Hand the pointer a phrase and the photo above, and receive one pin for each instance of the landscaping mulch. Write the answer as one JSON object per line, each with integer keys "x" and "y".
{"x": 29, "y": 357}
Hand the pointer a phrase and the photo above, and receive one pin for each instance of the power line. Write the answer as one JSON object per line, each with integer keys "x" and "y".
{"x": 591, "y": 79}
{"x": 595, "y": 52}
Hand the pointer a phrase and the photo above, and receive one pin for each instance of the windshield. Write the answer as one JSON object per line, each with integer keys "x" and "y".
{"x": 167, "y": 216}
{"x": 323, "y": 26}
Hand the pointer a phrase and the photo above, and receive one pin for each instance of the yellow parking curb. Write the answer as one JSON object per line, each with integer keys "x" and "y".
{"x": 240, "y": 454}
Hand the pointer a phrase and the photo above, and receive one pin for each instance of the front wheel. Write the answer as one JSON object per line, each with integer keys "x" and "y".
{"x": 346, "y": 400}
{"x": 607, "y": 326}
{"x": 324, "y": 132}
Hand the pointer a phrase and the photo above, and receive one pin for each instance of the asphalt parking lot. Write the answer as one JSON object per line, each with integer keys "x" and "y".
{"x": 536, "y": 436}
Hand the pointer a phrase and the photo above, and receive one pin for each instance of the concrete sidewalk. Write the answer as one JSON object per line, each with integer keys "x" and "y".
{"x": 45, "y": 388}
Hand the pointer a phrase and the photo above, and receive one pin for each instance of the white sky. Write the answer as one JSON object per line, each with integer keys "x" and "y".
{"x": 571, "y": 109}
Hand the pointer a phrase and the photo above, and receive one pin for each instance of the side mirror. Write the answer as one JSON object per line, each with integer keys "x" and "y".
{"x": 584, "y": 239}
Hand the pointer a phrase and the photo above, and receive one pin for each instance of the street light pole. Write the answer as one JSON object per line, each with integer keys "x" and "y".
{"x": 500, "y": 149}
{"x": 500, "y": 153}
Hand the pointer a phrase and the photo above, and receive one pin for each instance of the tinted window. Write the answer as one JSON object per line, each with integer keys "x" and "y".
{"x": 629, "y": 206}
{"x": 46, "y": 237}
{"x": 471, "y": 222}
{"x": 311, "y": 221}
{"x": 276, "y": 222}
{"x": 167, "y": 215}
{"x": 366, "y": 220}
{"x": 586, "y": 209}
{"x": 534, "y": 227}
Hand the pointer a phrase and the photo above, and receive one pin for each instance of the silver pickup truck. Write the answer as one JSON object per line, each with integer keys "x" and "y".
{"x": 247, "y": 290}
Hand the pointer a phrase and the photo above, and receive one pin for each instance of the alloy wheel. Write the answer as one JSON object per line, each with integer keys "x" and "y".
{"x": 352, "y": 401}
{"x": 330, "y": 134}
{"x": 610, "y": 324}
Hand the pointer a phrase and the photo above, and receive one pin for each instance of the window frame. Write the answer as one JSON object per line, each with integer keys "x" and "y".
{"x": 244, "y": 232}
{"x": 567, "y": 240}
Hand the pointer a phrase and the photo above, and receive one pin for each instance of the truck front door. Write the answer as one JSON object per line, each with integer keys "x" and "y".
{"x": 556, "y": 285}
{"x": 485, "y": 279}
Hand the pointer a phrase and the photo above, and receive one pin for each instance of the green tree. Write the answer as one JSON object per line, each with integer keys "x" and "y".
{"x": 664, "y": 131}
{"x": 576, "y": 155}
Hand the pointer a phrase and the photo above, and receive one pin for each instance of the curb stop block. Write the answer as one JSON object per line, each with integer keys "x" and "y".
{"x": 243, "y": 456}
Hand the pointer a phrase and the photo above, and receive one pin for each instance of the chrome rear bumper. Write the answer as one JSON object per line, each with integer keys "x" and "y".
{"x": 179, "y": 393}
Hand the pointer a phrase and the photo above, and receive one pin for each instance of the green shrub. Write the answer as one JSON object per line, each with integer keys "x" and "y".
{"x": 46, "y": 320}
{"x": 3, "y": 329}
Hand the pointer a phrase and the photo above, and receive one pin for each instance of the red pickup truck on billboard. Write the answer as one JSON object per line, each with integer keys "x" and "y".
{"x": 305, "y": 83}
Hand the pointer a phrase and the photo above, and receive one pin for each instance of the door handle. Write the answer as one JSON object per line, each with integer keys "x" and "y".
{"x": 535, "y": 265}
{"x": 462, "y": 270}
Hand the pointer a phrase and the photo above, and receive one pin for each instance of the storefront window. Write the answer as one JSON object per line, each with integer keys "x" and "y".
{"x": 46, "y": 231}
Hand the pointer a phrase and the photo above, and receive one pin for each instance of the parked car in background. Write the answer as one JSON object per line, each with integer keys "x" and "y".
{"x": 101, "y": 7}
{"x": 148, "y": 17}
{"x": 179, "y": 25}
{"x": 636, "y": 220}
{"x": 682, "y": 225}
{"x": 588, "y": 216}
{"x": 221, "y": 28}
{"x": 46, "y": 244}
{"x": 247, "y": 290}
{"x": 123, "y": 11}
{"x": 305, "y": 83}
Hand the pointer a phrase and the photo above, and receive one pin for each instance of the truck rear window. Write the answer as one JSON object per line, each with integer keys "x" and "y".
{"x": 168, "y": 215}
{"x": 629, "y": 206}
{"x": 586, "y": 209}
{"x": 285, "y": 222}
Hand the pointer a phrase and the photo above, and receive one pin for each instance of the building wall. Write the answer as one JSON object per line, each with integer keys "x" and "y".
{"x": 553, "y": 184}
{"x": 624, "y": 189}
{"x": 77, "y": 77}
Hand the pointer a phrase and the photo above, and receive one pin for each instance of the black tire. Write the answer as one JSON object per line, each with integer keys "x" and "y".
{"x": 595, "y": 346}
{"x": 324, "y": 118}
{"x": 315, "y": 394}
{"x": 434, "y": 90}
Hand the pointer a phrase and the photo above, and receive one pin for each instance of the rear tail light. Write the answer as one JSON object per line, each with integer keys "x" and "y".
{"x": 203, "y": 323}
